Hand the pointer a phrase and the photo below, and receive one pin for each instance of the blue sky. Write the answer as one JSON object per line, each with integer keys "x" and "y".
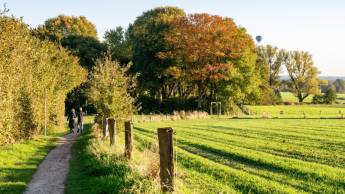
{"x": 317, "y": 26}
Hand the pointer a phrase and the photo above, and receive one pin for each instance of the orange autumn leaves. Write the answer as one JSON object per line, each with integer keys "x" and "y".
{"x": 204, "y": 46}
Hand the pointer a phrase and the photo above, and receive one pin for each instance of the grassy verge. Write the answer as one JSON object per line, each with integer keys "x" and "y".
{"x": 97, "y": 167}
{"x": 18, "y": 162}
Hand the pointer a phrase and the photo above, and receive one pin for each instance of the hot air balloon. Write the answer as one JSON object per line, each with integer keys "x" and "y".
{"x": 258, "y": 38}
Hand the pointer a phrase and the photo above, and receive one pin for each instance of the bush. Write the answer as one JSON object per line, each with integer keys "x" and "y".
{"x": 328, "y": 98}
{"x": 110, "y": 90}
{"x": 318, "y": 99}
{"x": 29, "y": 70}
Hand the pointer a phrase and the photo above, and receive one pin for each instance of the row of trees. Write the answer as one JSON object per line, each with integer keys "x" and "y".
{"x": 184, "y": 61}
{"x": 32, "y": 70}
{"x": 303, "y": 75}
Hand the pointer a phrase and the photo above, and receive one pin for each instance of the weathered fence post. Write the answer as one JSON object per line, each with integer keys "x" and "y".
{"x": 112, "y": 130}
{"x": 105, "y": 126}
{"x": 166, "y": 153}
{"x": 128, "y": 139}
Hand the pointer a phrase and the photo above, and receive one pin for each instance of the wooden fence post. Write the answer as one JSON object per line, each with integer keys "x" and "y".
{"x": 166, "y": 153}
{"x": 128, "y": 139}
{"x": 105, "y": 126}
{"x": 112, "y": 130}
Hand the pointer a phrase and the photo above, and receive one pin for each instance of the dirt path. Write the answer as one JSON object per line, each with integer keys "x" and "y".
{"x": 52, "y": 172}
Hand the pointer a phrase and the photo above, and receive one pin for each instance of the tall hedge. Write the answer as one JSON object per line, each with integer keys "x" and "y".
{"x": 28, "y": 68}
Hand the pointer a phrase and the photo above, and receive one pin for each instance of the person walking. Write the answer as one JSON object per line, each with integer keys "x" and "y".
{"x": 80, "y": 116}
{"x": 71, "y": 120}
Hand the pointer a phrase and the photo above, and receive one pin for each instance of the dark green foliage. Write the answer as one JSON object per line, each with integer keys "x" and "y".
{"x": 318, "y": 99}
{"x": 147, "y": 35}
{"x": 151, "y": 105}
{"x": 118, "y": 44}
{"x": 330, "y": 95}
{"x": 87, "y": 48}
{"x": 328, "y": 98}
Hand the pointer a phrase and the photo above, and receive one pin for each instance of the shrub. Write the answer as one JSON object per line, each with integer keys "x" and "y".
{"x": 29, "y": 70}
{"x": 110, "y": 90}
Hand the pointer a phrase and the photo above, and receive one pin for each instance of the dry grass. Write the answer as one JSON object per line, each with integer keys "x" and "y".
{"x": 177, "y": 115}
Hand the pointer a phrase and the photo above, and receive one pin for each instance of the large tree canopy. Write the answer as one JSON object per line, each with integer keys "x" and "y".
{"x": 118, "y": 44}
{"x": 147, "y": 37}
{"x": 62, "y": 26}
{"x": 302, "y": 73}
{"x": 87, "y": 48}
{"x": 211, "y": 52}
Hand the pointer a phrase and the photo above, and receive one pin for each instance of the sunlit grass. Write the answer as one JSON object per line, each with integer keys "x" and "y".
{"x": 18, "y": 162}
{"x": 256, "y": 156}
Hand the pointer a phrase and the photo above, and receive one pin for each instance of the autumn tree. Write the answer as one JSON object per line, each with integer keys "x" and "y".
{"x": 207, "y": 50}
{"x": 62, "y": 26}
{"x": 303, "y": 74}
{"x": 147, "y": 35}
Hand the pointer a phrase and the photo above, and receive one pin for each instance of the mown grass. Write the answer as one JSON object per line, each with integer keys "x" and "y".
{"x": 18, "y": 162}
{"x": 97, "y": 167}
{"x": 299, "y": 111}
{"x": 290, "y": 97}
{"x": 255, "y": 156}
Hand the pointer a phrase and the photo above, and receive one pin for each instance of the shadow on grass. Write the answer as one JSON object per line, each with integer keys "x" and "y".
{"x": 95, "y": 172}
{"x": 20, "y": 167}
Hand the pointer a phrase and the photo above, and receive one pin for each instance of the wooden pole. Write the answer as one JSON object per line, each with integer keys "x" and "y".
{"x": 112, "y": 130}
{"x": 128, "y": 139}
{"x": 166, "y": 153}
{"x": 45, "y": 112}
{"x": 105, "y": 126}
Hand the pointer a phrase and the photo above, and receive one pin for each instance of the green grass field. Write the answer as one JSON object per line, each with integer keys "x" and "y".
{"x": 18, "y": 162}
{"x": 298, "y": 111}
{"x": 255, "y": 155}
{"x": 289, "y": 97}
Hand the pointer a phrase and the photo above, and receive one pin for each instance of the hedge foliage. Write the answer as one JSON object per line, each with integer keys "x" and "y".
{"x": 29, "y": 68}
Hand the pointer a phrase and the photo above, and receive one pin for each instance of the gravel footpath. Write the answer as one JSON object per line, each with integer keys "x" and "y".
{"x": 52, "y": 172}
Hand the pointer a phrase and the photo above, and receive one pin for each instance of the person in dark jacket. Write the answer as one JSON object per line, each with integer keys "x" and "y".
{"x": 71, "y": 120}
{"x": 80, "y": 116}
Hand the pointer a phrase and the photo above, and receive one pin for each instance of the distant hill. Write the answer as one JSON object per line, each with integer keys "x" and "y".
{"x": 329, "y": 78}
